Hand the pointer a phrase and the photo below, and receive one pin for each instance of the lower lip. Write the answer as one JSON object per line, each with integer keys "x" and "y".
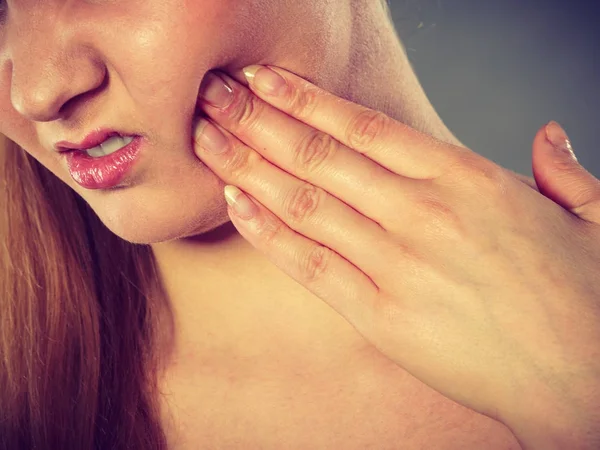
{"x": 106, "y": 171}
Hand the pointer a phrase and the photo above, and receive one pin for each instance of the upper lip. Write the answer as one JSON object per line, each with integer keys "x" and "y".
{"x": 92, "y": 140}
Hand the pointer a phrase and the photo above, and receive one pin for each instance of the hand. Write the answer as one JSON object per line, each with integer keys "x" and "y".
{"x": 476, "y": 284}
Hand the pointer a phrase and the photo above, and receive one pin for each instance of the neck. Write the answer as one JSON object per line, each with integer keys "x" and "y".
{"x": 224, "y": 293}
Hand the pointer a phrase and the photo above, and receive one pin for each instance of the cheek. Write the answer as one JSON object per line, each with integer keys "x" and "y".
{"x": 165, "y": 60}
{"x": 22, "y": 132}
{"x": 12, "y": 124}
{"x": 52, "y": 162}
{"x": 161, "y": 63}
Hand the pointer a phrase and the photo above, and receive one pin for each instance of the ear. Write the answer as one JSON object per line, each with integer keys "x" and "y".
{"x": 560, "y": 177}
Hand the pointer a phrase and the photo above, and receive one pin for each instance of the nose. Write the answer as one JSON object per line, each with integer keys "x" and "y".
{"x": 48, "y": 72}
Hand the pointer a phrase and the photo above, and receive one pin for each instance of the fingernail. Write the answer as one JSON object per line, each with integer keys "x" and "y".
{"x": 265, "y": 79}
{"x": 216, "y": 91}
{"x": 210, "y": 137}
{"x": 241, "y": 204}
{"x": 557, "y": 136}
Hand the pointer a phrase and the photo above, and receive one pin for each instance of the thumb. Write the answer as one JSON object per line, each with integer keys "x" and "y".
{"x": 560, "y": 177}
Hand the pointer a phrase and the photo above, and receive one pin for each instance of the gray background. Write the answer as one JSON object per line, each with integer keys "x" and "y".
{"x": 497, "y": 70}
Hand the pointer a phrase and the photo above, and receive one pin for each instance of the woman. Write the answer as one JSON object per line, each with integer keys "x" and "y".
{"x": 134, "y": 315}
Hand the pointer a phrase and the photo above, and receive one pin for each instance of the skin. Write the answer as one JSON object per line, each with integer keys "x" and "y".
{"x": 495, "y": 307}
{"x": 66, "y": 67}
{"x": 65, "y": 71}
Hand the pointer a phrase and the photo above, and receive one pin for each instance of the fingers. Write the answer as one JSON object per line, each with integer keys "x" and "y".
{"x": 304, "y": 152}
{"x": 393, "y": 145}
{"x": 322, "y": 271}
{"x": 305, "y": 208}
{"x": 561, "y": 178}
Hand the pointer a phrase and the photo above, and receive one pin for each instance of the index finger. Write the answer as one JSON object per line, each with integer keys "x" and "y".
{"x": 390, "y": 143}
{"x": 305, "y": 152}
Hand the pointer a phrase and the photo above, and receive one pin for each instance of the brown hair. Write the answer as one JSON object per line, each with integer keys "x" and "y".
{"x": 77, "y": 367}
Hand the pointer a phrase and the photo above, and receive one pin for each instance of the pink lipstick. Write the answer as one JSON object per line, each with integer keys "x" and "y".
{"x": 102, "y": 172}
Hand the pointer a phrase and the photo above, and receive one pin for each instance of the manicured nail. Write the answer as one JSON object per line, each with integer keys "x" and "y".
{"x": 557, "y": 136}
{"x": 241, "y": 204}
{"x": 209, "y": 137}
{"x": 216, "y": 91}
{"x": 265, "y": 80}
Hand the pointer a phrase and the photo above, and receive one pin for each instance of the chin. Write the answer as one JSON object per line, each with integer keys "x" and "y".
{"x": 147, "y": 231}
{"x": 153, "y": 214}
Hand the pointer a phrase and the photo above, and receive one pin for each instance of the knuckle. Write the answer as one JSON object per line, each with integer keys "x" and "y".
{"x": 302, "y": 203}
{"x": 312, "y": 151}
{"x": 489, "y": 174}
{"x": 563, "y": 165}
{"x": 240, "y": 162}
{"x": 268, "y": 228}
{"x": 482, "y": 176}
{"x": 441, "y": 221}
{"x": 302, "y": 101}
{"x": 245, "y": 114}
{"x": 585, "y": 196}
{"x": 366, "y": 128}
{"x": 389, "y": 313}
{"x": 314, "y": 264}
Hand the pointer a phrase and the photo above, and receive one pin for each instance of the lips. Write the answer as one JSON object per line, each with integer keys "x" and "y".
{"x": 92, "y": 140}
{"x": 107, "y": 171}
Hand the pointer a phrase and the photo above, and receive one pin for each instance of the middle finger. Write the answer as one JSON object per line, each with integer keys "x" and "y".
{"x": 305, "y": 208}
{"x": 307, "y": 153}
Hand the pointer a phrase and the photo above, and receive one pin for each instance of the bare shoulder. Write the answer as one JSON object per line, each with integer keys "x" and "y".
{"x": 376, "y": 405}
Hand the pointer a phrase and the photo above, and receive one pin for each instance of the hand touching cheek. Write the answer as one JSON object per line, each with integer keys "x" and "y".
{"x": 475, "y": 283}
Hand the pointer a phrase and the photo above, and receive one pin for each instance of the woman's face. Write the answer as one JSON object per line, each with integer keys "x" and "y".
{"x": 68, "y": 67}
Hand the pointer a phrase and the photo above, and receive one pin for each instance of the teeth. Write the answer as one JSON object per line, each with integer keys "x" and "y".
{"x": 109, "y": 146}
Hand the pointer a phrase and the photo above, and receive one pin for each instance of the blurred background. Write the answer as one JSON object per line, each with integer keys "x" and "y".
{"x": 497, "y": 70}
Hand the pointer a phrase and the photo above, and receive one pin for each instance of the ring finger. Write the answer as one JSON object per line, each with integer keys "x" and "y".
{"x": 305, "y": 208}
